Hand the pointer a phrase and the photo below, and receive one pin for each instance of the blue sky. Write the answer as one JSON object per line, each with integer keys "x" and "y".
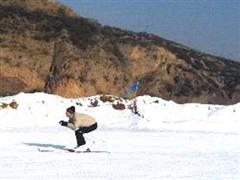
{"x": 211, "y": 26}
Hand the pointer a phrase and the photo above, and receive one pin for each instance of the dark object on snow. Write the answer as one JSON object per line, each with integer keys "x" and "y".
{"x": 94, "y": 103}
{"x": 119, "y": 106}
{"x": 13, "y": 105}
{"x": 107, "y": 98}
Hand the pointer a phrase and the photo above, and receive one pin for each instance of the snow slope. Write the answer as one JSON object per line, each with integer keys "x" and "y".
{"x": 152, "y": 113}
{"x": 157, "y": 140}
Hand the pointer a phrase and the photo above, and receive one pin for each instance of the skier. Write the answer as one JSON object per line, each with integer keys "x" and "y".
{"x": 80, "y": 123}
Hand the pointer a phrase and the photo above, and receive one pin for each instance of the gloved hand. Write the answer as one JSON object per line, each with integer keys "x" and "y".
{"x": 63, "y": 123}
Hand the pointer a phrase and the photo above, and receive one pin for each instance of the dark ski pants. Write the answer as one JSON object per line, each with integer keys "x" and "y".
{"x": 82, "y": 130}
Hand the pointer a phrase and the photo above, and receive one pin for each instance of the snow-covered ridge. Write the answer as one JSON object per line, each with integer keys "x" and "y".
{"x": 144, "y": 112}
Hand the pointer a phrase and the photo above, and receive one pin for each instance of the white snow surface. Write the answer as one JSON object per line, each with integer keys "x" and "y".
{"x": 160, "y": 140}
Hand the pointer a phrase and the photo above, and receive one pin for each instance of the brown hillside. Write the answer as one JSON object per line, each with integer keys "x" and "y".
{"x": 44, "y": 46}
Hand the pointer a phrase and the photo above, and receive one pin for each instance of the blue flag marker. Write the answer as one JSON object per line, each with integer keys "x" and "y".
{"x": 132, "y": 89}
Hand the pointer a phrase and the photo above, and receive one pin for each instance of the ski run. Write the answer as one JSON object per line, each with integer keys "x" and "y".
{"x": 149, "y": 138}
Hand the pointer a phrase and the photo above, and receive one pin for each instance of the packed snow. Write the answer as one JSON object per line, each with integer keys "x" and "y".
{"x": 150, "y": 139}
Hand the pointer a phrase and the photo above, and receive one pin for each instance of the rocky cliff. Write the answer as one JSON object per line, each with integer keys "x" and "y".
{"x": 44, "y": 46}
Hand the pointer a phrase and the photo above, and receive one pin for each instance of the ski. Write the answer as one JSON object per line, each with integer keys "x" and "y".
{"x": 74, "y": 151}
{"x": 45, "y": 150}
{"x": 86, "y": 151}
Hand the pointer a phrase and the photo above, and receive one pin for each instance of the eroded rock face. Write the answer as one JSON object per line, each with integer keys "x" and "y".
{"x": 16, "y": 79}
{"x": 198, "y": 78}
{"x": 45, "y": 47}
{"x": 97, "y": 71}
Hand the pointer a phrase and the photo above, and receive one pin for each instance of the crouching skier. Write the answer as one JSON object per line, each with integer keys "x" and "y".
{"x": 80, "y": 123}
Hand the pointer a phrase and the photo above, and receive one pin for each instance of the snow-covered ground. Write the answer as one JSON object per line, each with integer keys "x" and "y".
{"x": 156, "y": 139}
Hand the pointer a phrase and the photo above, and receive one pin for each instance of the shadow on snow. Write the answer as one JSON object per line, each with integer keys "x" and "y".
{"x": 45, "y": 145}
